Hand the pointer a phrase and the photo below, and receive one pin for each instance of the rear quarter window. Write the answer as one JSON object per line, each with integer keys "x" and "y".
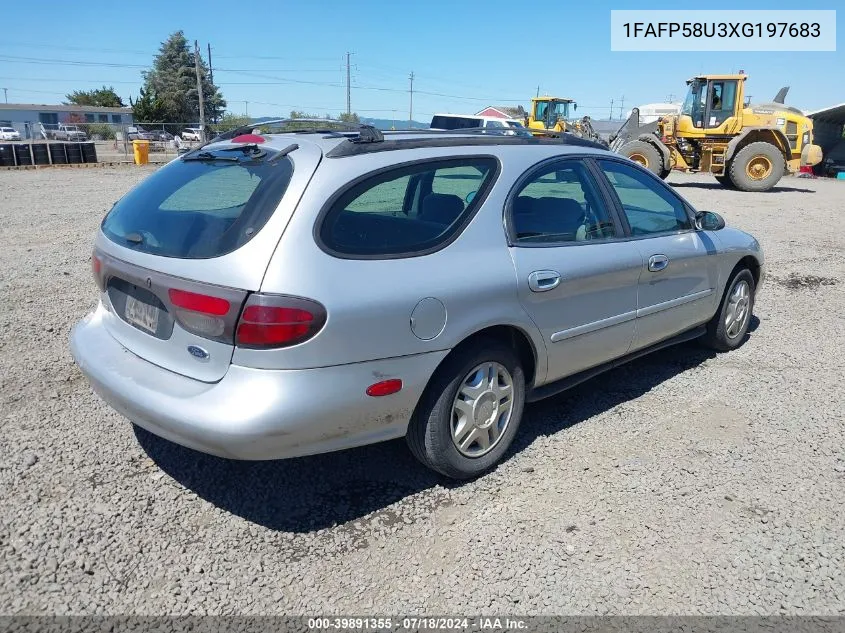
{"x": 196, "y": 209}
{"x": 407, "y": 210}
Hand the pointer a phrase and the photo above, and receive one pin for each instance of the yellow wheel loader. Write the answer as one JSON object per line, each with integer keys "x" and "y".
{"x": 551, "y": 115}
{"x": 746, "y": 147}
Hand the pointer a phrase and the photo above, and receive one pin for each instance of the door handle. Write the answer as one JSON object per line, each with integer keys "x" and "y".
{"x": 543, "y": 280}
{"x": 657, "y": 263}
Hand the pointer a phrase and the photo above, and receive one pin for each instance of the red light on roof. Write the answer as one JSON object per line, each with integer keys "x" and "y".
{"x": 248, "y": 138}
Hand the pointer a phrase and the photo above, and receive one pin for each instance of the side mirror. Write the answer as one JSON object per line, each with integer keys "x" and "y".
{"x": 709, "y": 221}
{"x": 575, "y": 107}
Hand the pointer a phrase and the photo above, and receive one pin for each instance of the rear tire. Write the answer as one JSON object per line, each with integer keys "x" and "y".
{"x": 645, "y": 154}
{"x": 727, "y": 329}
{"x": 440, "y": 423}
{"x": 757, "y": 167}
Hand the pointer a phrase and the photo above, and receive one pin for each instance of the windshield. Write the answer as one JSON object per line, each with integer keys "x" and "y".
{"x": 560, "y": 110}
{"x": 203, "y": 205}
{"x": 694, "y": 101}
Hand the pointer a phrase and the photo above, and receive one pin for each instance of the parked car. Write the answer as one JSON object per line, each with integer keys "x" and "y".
{"x": 9, "y": 134}
{"x": 191, "y": 134}
{"x": 290, "y": 294}
{"x": 67, "y": 133}
{"x": 138, "y": 133}
{"x": 161, "y": 136}
{"x": 467, "y": 121}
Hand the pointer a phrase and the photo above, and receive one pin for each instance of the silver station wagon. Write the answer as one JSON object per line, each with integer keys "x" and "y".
{"x": 269, "y": 295}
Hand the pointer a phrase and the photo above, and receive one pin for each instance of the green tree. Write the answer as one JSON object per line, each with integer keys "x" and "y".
{"x": 102, "y": 97}
{"x": 230, "y": 121}
{"x": 171, "y": 86}
{"x": 350, "y": 118}
{"x": 148, "y": 107}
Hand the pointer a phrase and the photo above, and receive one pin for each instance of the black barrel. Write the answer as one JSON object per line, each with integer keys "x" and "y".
{"x": 89, "y": 152}
{"x": 39, "y": 154}
{"x": 58, "y": 156}
{"x": 22, "y": 155}
{"x": 7, "y": 155}
{"x": 74, "y": 153}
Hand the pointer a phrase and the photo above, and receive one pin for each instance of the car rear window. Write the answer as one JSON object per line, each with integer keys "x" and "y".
{"x": 409, "y": 210}
{"x": 201, "y": 206}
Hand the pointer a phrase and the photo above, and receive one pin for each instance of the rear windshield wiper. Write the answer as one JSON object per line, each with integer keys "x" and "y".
{"x": 210, "y": 156}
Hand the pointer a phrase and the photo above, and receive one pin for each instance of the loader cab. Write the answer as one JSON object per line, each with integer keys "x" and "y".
{"x": 713, "y": 102}
{"x": 547, "y": 111}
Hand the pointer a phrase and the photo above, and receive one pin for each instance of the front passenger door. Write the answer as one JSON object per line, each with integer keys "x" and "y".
{"x": 679, "y": 275}
{"x": 576, "y": 274}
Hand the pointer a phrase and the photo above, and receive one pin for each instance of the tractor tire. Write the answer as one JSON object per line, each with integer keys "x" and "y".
{"x": 726, "y": 182}
{"x": 664, "y": 173}
{"x": 645, "y": 154}
{"x": 756, "y": 167}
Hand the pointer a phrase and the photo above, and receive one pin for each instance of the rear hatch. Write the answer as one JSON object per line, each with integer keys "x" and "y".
{"x": 178, "y": 256}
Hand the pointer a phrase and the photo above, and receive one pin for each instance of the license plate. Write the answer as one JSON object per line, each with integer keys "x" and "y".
{"x": 144, "y": 315}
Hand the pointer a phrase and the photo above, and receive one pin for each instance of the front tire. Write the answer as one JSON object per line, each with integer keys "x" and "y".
{"x": 645, "y": 154}
{"x": 757, "y": 167}
{"x": 727, "y": 329}
{"x": 470, "y": 412}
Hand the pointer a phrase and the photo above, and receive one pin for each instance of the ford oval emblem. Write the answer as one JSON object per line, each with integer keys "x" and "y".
{"x": 198, "y": 352}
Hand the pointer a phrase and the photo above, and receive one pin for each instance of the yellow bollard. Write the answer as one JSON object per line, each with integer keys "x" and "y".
{"x": 141, "y": 150}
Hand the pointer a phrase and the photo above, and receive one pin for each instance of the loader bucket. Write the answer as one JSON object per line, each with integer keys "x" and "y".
{"x": 631, "y": 130}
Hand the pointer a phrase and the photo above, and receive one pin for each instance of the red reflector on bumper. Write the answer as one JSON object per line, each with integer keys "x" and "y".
{"x": 385, "y": 387}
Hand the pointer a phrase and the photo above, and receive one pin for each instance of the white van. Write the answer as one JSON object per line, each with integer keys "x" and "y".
{"x": 464, "y": 121}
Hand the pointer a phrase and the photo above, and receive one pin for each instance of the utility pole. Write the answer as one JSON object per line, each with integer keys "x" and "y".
{"x": 622, "y": 108}
{"x": 610, "y": 118}
{"x": 210, "y": 69}
{"x": 6, "y": 94}
{"x": 538, "y": 90}
{"x": 348, "y": 87}
{"x": 411, "y": 111}
{"x": 199, "y": 90}
{"x": 246, "y": 105}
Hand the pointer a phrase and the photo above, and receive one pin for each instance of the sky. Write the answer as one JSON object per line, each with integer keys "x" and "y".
{"x": 278, "y": 56}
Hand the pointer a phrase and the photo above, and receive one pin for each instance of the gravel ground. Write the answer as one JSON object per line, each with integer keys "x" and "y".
{"x": 684, "y": 483}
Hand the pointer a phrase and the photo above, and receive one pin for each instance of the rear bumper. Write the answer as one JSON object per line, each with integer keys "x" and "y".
{"x": 253, "y": 414}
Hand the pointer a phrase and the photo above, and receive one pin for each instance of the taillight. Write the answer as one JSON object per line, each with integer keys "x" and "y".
{"x": 198, "y": 313}
{"x": 97, "y": 270}
{"x": 198, "y": 302}
{"x": 270, "y": 321}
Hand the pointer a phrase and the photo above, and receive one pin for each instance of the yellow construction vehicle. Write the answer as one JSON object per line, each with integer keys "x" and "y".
{"x": 552, "y": 115}
{"x": 747, "y": 147}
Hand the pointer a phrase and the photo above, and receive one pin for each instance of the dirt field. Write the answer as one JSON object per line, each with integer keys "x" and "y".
{"x": 684, "y": 483}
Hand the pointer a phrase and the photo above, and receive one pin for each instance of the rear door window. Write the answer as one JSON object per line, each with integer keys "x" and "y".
{"x": 406, "y": 211}
{"x": 194, "y": 209}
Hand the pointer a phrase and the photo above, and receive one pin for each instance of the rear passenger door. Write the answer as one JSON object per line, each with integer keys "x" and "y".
{"x": 576, "y": 274}
{"x": 679, "y": 273}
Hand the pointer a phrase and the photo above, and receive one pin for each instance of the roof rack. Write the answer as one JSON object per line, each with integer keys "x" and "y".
{"x": 456, "y": 138}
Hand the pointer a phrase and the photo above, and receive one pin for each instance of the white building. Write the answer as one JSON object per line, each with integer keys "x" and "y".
{"x": 650, "y": 112}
